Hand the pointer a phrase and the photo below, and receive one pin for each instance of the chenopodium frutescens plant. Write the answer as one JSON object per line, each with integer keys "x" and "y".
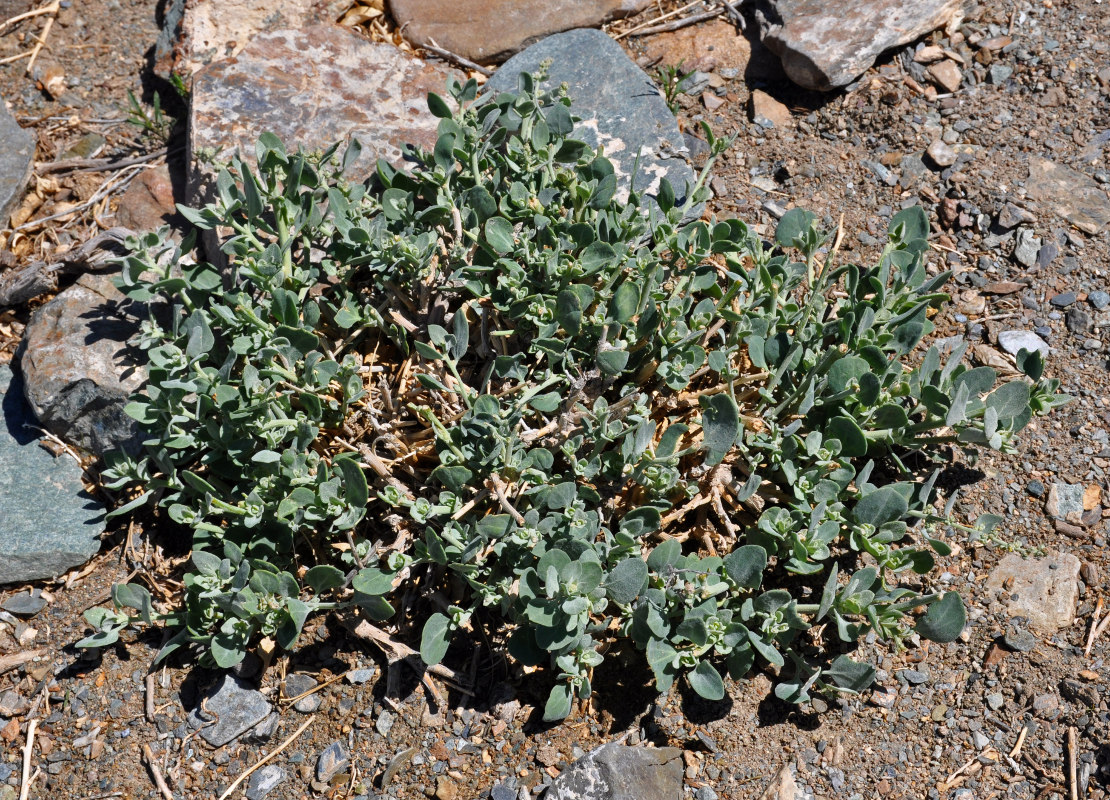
{"x": 493, "y": 381}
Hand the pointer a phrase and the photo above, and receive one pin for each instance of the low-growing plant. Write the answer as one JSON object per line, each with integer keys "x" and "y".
{"x": 496, "y": 383}
{"x": 672, "y": 80}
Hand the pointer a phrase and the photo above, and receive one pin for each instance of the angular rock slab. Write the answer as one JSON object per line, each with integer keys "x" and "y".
{"x": 1072, "y": 195}
{"x": 48, "y": 523}
{"x": 195, "y": 33}
{"x": 489, "y": 31}
{"x": 621, "y": 108}
{"x": 231, "y": 707}
{"x": 824, "y": 45}
{"x": 79, "y": 371}
{"x": 312, "y": 87}
{"x": 17, "y": 157}
{"x": 1043, "y": 590}
{"x": 617, "y": 772}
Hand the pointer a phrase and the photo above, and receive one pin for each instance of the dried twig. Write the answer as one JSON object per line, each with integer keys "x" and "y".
{"x": 25, "y": 782}
{"x": 455, "y": 58}
{"x": 40, "y": 40}
{"x": 685, "y": 22}
{"x": 1020, "y": 741}
{"x": 399, "y": 651}
{"x": 97, "y": 164}
{"x": 10, "y": 662}
{"x": 660, "y": 18}
{"x": 19, "y": 286}
{"x": 149, "y": 697}
{"x": 159, "y": 781}
{"x": 1094, "y": 627}
{"x": 268, "y": 757}
{"x": 108, "y": 187}
{"x": 34, "y": 12}
{"x": 315, "y": 689}
{"x": 1073, "y": 757}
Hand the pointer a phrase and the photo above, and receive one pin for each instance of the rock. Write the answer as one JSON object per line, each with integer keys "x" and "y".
{"x": 998, "y": 74}
{"x": 148, "y": 203}
{"x": 1026, "y": 247}
{"x": 1065, "y": 501}
{"x": 820, "y": 51}
{"x": 1047, "y": 254}
{"x": 1077, "y": 692}
{"x": 1070, "y": 194}
{"x": 35, "y": 544}
{"x": 446, "y": 788}
{"x": 1063, "y": 299}
{"x": 1019, "y": 641}
{"x": 236, "y": 707}
{"x": 312, "y": 87}
{"x": 1045, "y": 704}
{"x": 264, "y": 781}
{"x": 1015, "y": 341}
{"x": 13, "y": 704}
{"x": 1077, "y": 320}
{"x": 946, "y": 75}
{"x": 767, "y": 112}
{"x": 1099, "y": 299}
{"x": 332, "y": 761}
{"x": 17, "y": 159}
{"x": 1010, "y": 216}
{"x": 360, "y": 676}
{"x": 197, "y": 33}
{"x": 24, "y": 604}
{"x": 607, "y": 90}
{"x": 385, "y": 722}
{"x": 782, "y": 786}
{"x": 1043, "y": 590}
{"x": 502, "y": 791}
{"x": 265, "y": 730}
{"x": 618, "y": 772}
{"x": 942, "y": 154}
{"x": 995, "y": 701}
{"x": 78, "y": 370}
{"x": 488, "y": 31}
{"x": 914, "y": 677}
{"x": 297, "y": 684}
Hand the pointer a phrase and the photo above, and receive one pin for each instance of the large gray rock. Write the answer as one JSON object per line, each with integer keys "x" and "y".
{"x": 1072, "y": 195}
{"x": 48, "y": 523}
{"x": 229, "y": 708}
{"x": 17, "y": 156}
{"x": 78, "y": 369}
{"x": 488, "y": 31}
{"x": 824, "y": 45}
{"x": 312, "y": 87}
{"x": 620, "y": 106}
{"x": 616, "y": 772}
{"x": 1043, "y": 590}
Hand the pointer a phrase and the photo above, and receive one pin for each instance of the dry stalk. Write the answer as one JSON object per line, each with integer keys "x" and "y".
{"x": 25, "y": 781}
{"x": 268, "y": 757}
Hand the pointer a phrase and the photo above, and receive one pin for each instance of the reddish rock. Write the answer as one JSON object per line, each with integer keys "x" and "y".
{"x": 946, "y": 75}
{"x": 1043, "y": 590}
{"x": 1074, "y": 196}
{"x": 764, "y": 109}
{"x": 824, "y": 45}
{"x": 148, "y": 202}
{"x": 312, "y": 87}
{"x": 489, "y": 31}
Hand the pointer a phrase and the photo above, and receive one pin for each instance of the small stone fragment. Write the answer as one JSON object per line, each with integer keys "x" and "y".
{"x": 360, "y": 676}
{"x": 446, "y": 788}
{"x": 332, "y": 761}
{"x": 24, "y": 604}
{"x": 236, "y": 707}
{"x": 1065, "y": 501}
{"x": 1019, "y": 641}
{"x": 1043, "y": 590}
{"x": 1070, "y": 194}
{"x": 1099, "y": 299}
{"x": 1083, "y": 693}
{"x": 1026, "y": 247}
{"x": 1014, "y": 342}
{"x": 1045, "y": 703}
{"x": 913, "y": 676}
{"x": 630, "y": 773}
{"x": 13, "y": 704}
{"x": 942, "y": 154}
{"x": 767, "y": 112}
{"x": 782, "y": 786}
{"x": 384, "y": 723}
{"x": 264, "y": 781}
{"x": 1010, "y": 216}
{"x": 946, "y": 75}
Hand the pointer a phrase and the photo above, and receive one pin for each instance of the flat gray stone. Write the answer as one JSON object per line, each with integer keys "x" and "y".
{"x": 24, "y": 604}
{"x": 297, "y": 684}
{"x": 620, "y": 106}
{"x": 1076, "y": 197}
{"x": 1065, "y": 501}
{"x": 1026, "y": 247}
{"x": 17, "y": 159}
{"x": 236, "y": 707}
{"x": 1014, "y": 342}
{"x": 48, "y": 522}
{"x": 264, "y": 781}
{"x": 78, "y": 369}
{"x": 617, "y": 772}
{"x": 1043, "y": 590}
{"x": 824, "y": 45}
{"x": 488, "y": 31}
{"x": 332, "y": 761}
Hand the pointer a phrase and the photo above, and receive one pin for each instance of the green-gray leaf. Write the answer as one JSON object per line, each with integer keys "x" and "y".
{"x": 720, "y": 422}
{"x": 706, "y": 681}
{"x": 945, "y": 619}
{"x": 435, "y": 639}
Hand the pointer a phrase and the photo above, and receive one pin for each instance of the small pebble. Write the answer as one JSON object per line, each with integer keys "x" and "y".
{"x": 1099, "y": 299}
{"x": 995, "y": 701}
{"x": 1019, "y": 640}
{"x": 942, "y": 154}
{"x": 24, "y": 604}
{"x": 1063, "y": 300}
{"x": 332, "y": 761}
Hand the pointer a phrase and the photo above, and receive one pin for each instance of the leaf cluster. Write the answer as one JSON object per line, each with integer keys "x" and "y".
{"x": 529, "y": 399}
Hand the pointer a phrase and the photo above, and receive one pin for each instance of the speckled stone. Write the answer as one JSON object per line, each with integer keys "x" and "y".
{"x": 235, "y": 705}
{"x": 620, "y": 107}
{"x": 1070, "y": 194}
{"x": 48, "y": 523}
{"x": 820, "y": 51}
{"x": 618, "y": 772}
{"x": 1043, "y": 590}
